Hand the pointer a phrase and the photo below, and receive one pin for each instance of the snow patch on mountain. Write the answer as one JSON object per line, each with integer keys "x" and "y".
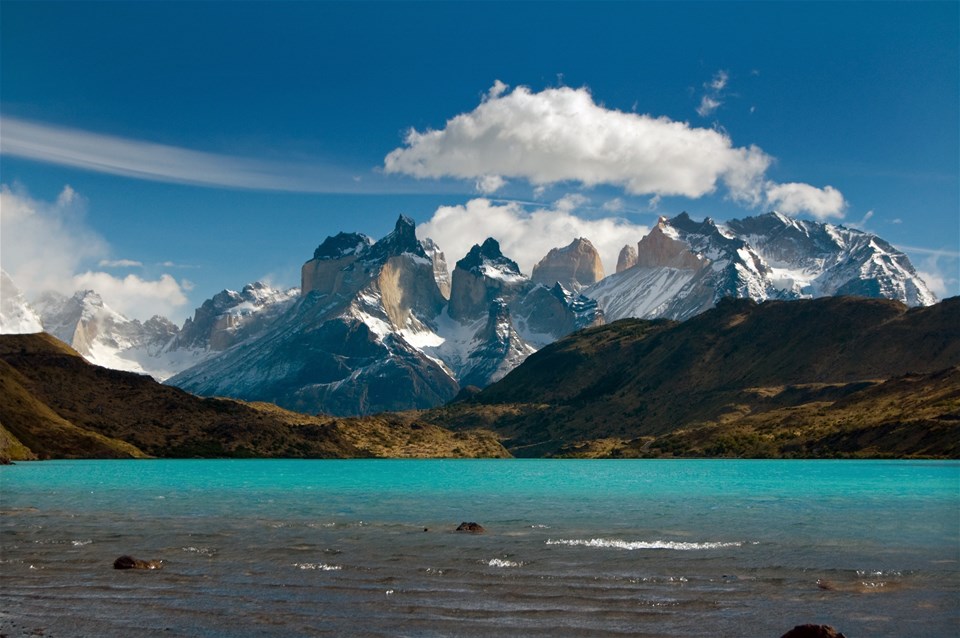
{"x": 684, "y": 267}
{"x": 17, "y": 316}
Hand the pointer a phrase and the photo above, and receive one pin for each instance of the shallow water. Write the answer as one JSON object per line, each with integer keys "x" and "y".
{"x": 572, "y": 548}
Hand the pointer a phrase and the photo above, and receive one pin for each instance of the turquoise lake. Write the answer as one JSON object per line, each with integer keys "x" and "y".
{"x": 571, "y": 548}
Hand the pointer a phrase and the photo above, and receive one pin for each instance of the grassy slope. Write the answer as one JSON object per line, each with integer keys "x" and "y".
{"x": 729, "y": 374}
{"x": 55, "y": 396}
{"x": 34, "y": 429}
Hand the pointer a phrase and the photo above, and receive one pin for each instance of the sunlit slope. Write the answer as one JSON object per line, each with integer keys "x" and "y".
{"x": 57, "y": 405}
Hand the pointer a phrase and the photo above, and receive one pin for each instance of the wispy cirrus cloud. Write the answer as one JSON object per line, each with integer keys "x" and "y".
{"x": 712, "y": 99}
{"x": 120, "y": 263}
{"x": 145, "y": 160}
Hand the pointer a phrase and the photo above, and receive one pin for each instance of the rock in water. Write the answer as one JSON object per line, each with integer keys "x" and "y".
{"x": 813, "y": 631}
{"x": 129, "y": 562}
{"x": 473, "y": 528}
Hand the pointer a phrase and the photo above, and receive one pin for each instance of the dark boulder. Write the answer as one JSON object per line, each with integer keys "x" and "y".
{"x": 129, "y": 562}
{"x": 813, "y": 631}
{"x": 473, "y": 528}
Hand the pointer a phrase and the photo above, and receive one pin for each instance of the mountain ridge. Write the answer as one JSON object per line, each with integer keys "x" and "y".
{"x": 386, "y": 326}
{"x": 642, "y": 380}
{"x": 55, "y": 404}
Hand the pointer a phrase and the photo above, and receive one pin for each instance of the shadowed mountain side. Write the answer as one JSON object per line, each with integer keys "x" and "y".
{"x": 640, "y": 381}
{"x": 30, "y": 428}
{"x": 57, "y": 405}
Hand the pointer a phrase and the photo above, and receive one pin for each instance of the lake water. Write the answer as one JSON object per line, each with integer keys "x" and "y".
{"x": 572, "y": 548}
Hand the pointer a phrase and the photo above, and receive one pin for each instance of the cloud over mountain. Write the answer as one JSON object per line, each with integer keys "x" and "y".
{"x": 562, "y": 135}
{"x": 794, "y": 198}
{"x": 50, "y": 246}
{"x": 526, "y": 236}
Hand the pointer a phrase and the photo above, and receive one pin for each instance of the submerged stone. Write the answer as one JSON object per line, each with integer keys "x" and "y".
{"x": 129, "y": 562}
{"x": 473, "y": 528}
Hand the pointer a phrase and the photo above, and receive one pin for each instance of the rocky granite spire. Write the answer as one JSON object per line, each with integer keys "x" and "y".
{"x": 627, "y": 258}
{"x": 483, "y": 275}
{"x": 574, "y": 266}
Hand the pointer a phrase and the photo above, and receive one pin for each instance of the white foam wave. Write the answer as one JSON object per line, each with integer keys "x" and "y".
{"x": 80, "y": 543}
{"x": 613, "y": 543}
{"x": 319, "y": 566}
{"x": 499, "y": 562}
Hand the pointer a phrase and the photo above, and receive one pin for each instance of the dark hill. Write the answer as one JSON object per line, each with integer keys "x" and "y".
{"x": 53, "y": 404}
{"x": 632, "y": 383}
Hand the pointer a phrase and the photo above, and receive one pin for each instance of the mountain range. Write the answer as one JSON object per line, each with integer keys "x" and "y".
{"x": 385, "y": 325}
{"x": 837, "y": 376}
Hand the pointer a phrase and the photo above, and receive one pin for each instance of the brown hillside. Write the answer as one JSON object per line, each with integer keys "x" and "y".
{"x": 33, "y": 426}
{"x": 641, "y": 381}
{"x": 60, "y": 406}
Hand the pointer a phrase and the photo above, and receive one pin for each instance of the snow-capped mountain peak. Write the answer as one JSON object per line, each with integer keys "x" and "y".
{"x": 684, "y": 267}
{"x": 17, "y": 316}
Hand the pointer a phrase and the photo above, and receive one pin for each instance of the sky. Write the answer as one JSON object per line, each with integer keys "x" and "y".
{"x": 161, "y": 152}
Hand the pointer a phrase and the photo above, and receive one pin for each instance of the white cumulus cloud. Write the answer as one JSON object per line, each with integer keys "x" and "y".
{"x": 527, "y": 236}
{"x": 794, "y": 198}
{"x": 50, "y": 246}
{"x": 561, "y": 135}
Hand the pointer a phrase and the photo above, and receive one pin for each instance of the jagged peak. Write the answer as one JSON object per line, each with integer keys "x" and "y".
{"x": 560, "y": 292}
{"x": 683, "y": 222}
{"x": 577, "y": 244}
{"x": 488, "y": 253}
{"x": 88, "y": 298}
{"x": 342, "y": 245}
{"x": 402, "y": 239}
{"x": 627, "y": 258}
{"x": 429, "y": 245}
{"x": 490, "y": 248}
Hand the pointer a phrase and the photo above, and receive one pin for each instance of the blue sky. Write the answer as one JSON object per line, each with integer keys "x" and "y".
{"x": 160, "y": 152}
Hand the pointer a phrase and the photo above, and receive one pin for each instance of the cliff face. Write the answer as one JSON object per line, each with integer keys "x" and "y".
{"x": 330, "y": 271}
{"x": 440, "y": 270}
{"x": 662, "y": 248}
{"x": 574, "y": 266}
{"x": 230, "y": 317}
{"x": 499, "y": 349}
{"x": 409, "y": 290}
{"x": 627, "y": 258}
{"x": 483, "y": 275}
{"x": 348, "y": 345}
